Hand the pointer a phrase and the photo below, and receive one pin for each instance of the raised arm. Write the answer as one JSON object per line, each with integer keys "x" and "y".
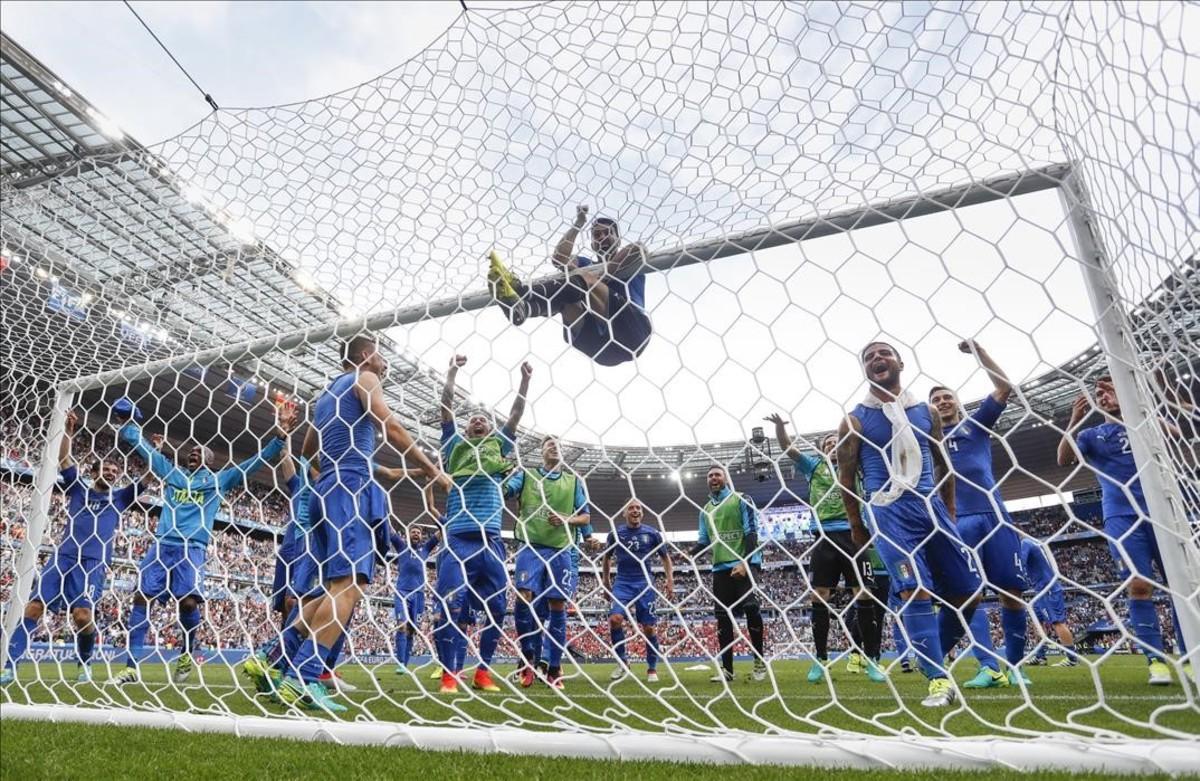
{"x": 518, "y": 407}
{"x": 456, "y": 363}
{"x": 397, "y": 435}
{"x": 312, "y": 443}
{"x": 285, "y": 422}
{"x": 629, "y": 255}
{"x": 848, "y": 450}
{"x": 64, "y": 447}
{"x": 1068, "y": 452}
{"x": 785, "y": 441}
{"x": 942, "y": 473}
{"x": 564, "y": 251}
{"x": 1001, "y": 386}
{"x": 160, "y": 465}
{"x": 287, "y": 465}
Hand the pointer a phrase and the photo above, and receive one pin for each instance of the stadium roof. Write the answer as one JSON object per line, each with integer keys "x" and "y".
{"x": 143, "y": 268}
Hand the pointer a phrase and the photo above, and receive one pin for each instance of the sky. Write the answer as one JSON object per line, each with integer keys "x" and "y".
{"x": 776, "y": 330}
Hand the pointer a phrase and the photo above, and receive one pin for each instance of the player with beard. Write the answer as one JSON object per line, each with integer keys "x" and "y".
{"x": 896, "y": 440}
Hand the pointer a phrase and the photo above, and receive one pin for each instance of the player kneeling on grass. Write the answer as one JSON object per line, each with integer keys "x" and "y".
{"x": 173, "y": 567}
{"x": 73, "y": 578}
{"x": 552, "y": 503}
{"x": 602, "y": 300}
{"x": 729, "y": 528}
{"x": 633, "y": 594}
{"x": 896, "y": 439}
{"x": 1106, "y": 450}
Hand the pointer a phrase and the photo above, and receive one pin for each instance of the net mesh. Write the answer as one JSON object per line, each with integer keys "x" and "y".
{"x": 790, "y": 183}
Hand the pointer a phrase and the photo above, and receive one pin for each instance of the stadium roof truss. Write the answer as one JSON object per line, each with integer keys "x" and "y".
{"x": 115, "y": 225}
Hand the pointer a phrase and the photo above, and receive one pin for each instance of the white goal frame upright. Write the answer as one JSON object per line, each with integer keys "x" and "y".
{"x": 1054, "y": 751}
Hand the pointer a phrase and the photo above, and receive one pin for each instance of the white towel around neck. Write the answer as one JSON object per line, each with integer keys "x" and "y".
{"x": 906, "y": 462}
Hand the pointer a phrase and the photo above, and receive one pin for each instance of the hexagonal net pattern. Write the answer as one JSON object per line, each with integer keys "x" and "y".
{"x": 735, "y": 382}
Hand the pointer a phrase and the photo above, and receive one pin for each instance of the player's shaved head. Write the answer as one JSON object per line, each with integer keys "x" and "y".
{"x": 200, "y": 455}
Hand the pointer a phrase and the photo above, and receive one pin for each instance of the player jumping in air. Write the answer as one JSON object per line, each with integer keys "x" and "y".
{"x": 173, "y": 566}
{"x": 602, "y": 300}
{"x": 729, "y": 528}
{"x": 552, "y": 503}
{"x": 348, "y": 511}
{"x": 982, "y": 521}
{"x": 1048, "y": 602}
{"x": 73, "y": 578}
{"x": 634, "y": 545}
{"x": 1106, "y": 450}
{"x": 835, "y": 558}
{"x": 896, "y": 440}
{"x": 472, "y": 562}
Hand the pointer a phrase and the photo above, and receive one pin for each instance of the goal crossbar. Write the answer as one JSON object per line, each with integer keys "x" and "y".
{"x": 769, "y": 236}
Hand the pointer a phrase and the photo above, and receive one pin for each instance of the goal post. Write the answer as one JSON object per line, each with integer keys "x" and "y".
{"x": 1175, "y": 534}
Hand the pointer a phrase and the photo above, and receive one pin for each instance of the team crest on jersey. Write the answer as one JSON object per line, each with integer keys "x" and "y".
{"x": 905, "y": 571}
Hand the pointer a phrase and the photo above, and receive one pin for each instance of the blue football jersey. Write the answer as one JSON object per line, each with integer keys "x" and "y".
{"x": 632, "y": 549}
{"x": 1105, "y": 448}
{"x": 1037, "y": 567}
{"x": 969, "y": 445}
{"x": 191, "y": 500}
{"x": 93, "y": 516}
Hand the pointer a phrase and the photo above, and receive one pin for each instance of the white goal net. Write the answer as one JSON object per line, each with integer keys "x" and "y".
{"x": 741, "y": 382}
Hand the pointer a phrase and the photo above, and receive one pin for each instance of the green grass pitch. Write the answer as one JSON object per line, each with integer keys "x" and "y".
{"x": 1060, "y": 700}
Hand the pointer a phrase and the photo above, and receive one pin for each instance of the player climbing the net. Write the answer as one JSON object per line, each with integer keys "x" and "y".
{"x": 601, "y": 299}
